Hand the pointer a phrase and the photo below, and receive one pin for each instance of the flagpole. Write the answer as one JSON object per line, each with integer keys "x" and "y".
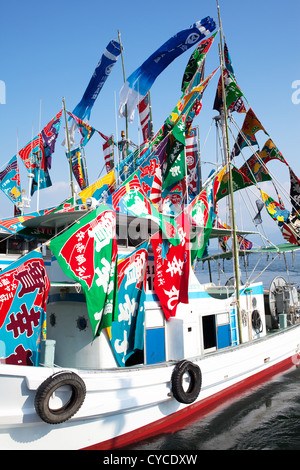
{"x": 69, "y": 150}
{"x": 228, "y": 161}
{"x": 124, "y": 79}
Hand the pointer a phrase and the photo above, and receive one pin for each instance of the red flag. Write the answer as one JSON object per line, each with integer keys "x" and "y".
{"x": 172, "y": 267}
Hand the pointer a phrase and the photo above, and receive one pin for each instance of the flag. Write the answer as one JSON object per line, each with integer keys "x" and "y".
{"x": 97, "y": 189}
{"x": 34, "y": 158}
{"x": 270, "y": 152}
{"x": 294, "y": 191}
{"x": 102, "y": 71}
{"x": 275, "y": 210}
{"x": 49, "y": 135}
{"x": 85, "y": 129}
{"x": 202, "y": 211}
{"x": 172, "y": 267}
{"x": 250, "y": 126}
{"x": 87, "y": 253}
{"x": 140, "y": 81}
{"x": 244, "y": 244}
{"x": 10, "y": 181}
{"x": 24, "y": 288}
{"x": 255, "y": 169}
{"x": 127, "y": 332}
{"x": 193, "y": 71}
{"x": 78, "y": 167}
{"x": 291, "y": 230}
{"x": 131, "y": 199}
{"x": 192, "y": 161}
{"x": 239, "y": 181}
{"x": 145, "y": 116}
{"x": 175, "y": 156}
{"x": 108, "y": 150}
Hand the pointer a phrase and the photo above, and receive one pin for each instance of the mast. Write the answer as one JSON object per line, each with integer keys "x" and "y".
{"x": 69, "y": 150}
{"x": 224, "y": 120}
{"x": 124, "y": 79}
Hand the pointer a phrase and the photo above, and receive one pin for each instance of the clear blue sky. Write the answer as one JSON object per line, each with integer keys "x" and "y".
{"x": 49, "y": 50}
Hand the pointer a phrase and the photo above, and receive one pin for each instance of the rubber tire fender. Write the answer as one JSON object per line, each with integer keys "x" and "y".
{"x": 194, "y": 372}
{"x": 46, "y": 389}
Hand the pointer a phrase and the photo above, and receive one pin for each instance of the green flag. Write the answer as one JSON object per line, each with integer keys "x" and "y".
{"x": 87, "y": 253}
{"x": 176, "y": 167}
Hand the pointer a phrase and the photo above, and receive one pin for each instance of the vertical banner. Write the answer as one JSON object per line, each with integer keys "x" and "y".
{"x": 24, "y": 288}
{"x": 192, "y": 156}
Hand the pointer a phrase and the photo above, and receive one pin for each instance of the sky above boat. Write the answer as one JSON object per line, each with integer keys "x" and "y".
{"x": 49, "y": 51}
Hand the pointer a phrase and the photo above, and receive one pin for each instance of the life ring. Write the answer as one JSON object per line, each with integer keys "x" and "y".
{"x": 48, "y": 387}
{"x": 195, "y": 376}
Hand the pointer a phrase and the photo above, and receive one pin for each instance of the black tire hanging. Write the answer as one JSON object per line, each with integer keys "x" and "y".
{"x": 195, "y": 377}
{"x": 46, "y": 389}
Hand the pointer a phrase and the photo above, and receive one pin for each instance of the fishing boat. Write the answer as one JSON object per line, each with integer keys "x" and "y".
{"x": 107, "y": 335}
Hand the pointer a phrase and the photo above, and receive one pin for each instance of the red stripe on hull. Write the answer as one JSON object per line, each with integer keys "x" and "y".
{"x": 194, "y": 412}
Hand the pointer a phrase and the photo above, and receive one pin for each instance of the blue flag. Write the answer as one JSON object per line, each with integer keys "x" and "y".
{"x": 10, "y": 181}
{"x": 103, "y": 69}
{"x": 140, "y": 81}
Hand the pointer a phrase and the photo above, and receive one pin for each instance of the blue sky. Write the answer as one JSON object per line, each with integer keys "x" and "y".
{"x": 49, "y": 50}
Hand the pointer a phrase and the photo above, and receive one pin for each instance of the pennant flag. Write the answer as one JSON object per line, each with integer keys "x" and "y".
{"x": 250, "y": 126}
{"x": 291, "y": 230}
{"x": 131, "y": 199}
{"x": 78, "y": 167}
{"x": 127, "y": 332}
{"x": 87, "y": 253}
{"x": 193, "y": 72}
{"x": 294, "y": 192}
{"x": 108, "y": 150}
{"x": 275, "y": 210}
{"x": 192, "y": 161}
{"x": 172, "y": 265}
{"x": 49, "y": 135}
{"x": 244, "y": 244}
{"x": 140, "y": 81}
{"x": 232, "y": 93}
{"x": 97, "y": 190}
{"x": 102, "y": 71}
{"x": 10, "y": 181}
{"x": 145, "y": 117}
{"x": 271, "y": 152}
{"x": 255, "y": 169}
{"x": 24, "y": 288}
{"x": 239, "y": 181}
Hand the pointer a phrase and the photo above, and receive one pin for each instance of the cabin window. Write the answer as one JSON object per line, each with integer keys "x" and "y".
{"x": 209, "y": 331}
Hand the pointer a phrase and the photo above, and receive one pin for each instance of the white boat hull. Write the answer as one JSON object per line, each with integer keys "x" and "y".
{"x": 124, "y": 406}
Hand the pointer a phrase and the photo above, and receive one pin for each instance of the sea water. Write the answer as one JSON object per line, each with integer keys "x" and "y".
{"x": 267, "y": 417}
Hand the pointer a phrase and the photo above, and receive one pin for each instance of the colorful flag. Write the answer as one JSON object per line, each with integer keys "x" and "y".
{"x": 108, "y": 150}
{"x": 239, "y": 181}
{"x": 78, "y": 167}
{"x": 34, "y": 158}
{"x": 96, "y": 190}
{"x": 271, "y": 152}
{"x": 87, "y": 253}
{"x": 193, "y": 71}
{"x": 127, "y": 332}
{"x": 255, "y": 169}
{"x": 140, "y": 81}
{"x": 102, "y": 71}
{"x": 192, "y": 161}
{"x": 202, "y": 211}
{"x": 175, "y": 156}
{"x": 145, "y": 117}
{"x": 172, "y": 267}
{"x": 131, "y": 199}
{"x": 250, "y": 126}
{"x": 275, "y": 210}
{"x": 85, "y": 129}
{"x": 24, "y": 288}
{"x": 49, "y": 134}
{"x": 10, "y": 181}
